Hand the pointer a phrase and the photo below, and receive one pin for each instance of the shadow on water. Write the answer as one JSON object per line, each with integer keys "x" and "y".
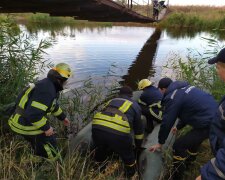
{"x": 142, "y": 66}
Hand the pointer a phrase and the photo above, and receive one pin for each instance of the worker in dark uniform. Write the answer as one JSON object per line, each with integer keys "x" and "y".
{"x": 155, "y": 5}
{"x": 193, "y": 107}
{"x": 215, "y": 168}
{"x": 112, "y": 127}
{"x": 32, "y": 107}
{"x": 150, "y": 102}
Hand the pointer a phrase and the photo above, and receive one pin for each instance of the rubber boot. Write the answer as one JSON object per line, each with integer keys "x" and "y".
{"x": 191, "y": 157}
{"x": 130, "y": 170}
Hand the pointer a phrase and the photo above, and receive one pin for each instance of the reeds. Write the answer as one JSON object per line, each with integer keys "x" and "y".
{"x": 195, "y": 69}
{"x": 20, "y": 60}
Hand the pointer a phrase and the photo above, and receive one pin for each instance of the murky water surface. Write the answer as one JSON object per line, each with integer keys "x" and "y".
{"x": 129, "y": 53}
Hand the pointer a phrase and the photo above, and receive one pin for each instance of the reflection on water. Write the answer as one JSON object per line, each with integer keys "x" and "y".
{"x": 62, "y": 30}
{"x": 191, "y": 33}
{"x": 142, "y": 67}
{"x": 130, "y": 53}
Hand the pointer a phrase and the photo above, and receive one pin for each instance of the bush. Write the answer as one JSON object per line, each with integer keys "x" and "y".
{"x": 21, "y": 61}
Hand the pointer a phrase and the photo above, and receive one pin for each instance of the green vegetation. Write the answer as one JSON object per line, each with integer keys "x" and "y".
{"x": 56, "y": 25}
{"x": 197, "y": 17}
{"x": 20, "y": 62}
{"x": 44, "y": 19}
{"x": 17, "y": 162}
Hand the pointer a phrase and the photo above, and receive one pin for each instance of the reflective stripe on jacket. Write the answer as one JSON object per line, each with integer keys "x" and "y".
{"x": 215, "y": 168}
{"x": 33, "y": 105}
{"x": 152, "y": 97}
{"x": 152, "y": 107}
{"x": 120, "y": 116}
{"x": 191, "y": 105}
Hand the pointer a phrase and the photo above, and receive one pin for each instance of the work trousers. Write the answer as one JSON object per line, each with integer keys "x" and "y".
{"x": 107, "y": 142}
{"x": 149, "y": 117}
{"x": 190, "y": 142}
{"x": 185, "y": 150}
{"x": 44, "y": 146}
{"x": 155, "y": 13}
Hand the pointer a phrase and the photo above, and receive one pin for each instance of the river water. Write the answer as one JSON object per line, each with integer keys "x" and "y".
{"x": 127, "y": 53}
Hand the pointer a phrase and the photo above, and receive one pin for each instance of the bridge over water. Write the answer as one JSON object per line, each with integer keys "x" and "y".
{"x": 92, "y": 10}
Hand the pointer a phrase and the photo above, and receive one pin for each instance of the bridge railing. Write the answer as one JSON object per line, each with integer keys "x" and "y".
{"x": 143, "y": 7}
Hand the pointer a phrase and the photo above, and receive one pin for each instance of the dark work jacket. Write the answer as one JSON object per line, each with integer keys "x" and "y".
{"x": 151, "y": 95}
{"x": 46, "y": 91}
{"x": 217, "y": 141}
{"x": 191, "y": 105}
{"x": 133, "y": 115}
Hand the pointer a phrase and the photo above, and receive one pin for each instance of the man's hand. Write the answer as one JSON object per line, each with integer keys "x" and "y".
{"x": 66, "y": 122}
{"x": 49, "y": 132}
{"x": 174, "y": 130}
{"x": 155, "y": 147}
{"x": 198, "y": 178}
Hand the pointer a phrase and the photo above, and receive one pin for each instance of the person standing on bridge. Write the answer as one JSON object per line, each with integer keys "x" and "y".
{"x": 150, "y": 102}
{"x": 33, "y": 104}
{"x": 112, "y": 128}
{"x": 155, "y": 5}
{"x": 193, "y": 107}
{"x": 215, "y": 168}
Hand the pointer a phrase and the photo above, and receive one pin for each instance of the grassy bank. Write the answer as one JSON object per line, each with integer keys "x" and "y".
{"x": 45, "y": 19}
{"x": 197, "y": 17}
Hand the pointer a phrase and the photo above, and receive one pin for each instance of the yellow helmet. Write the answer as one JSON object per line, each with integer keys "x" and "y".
{"x": 144, "y": 83}
{"x": 63, "y": 69}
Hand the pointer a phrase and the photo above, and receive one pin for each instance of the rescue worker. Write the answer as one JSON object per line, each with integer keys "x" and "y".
{"x": 162, "y": 4}
{"x": 215, "y": 168}
{"x": 193, "y": 107}
{"x": 112, "y": 127}
{"x": 150, "y": 102}
{"x": 155, "y": 5}
{"x": 32, "y": 107}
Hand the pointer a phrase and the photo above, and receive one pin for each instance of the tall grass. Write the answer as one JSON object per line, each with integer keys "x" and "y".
{"x": 20, "y": 60}
{"x": 197, "y": 17}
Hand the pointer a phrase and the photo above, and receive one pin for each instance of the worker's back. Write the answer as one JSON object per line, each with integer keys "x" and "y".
{"x": 124, "y": 107}
{"x": 192, "y": 105}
